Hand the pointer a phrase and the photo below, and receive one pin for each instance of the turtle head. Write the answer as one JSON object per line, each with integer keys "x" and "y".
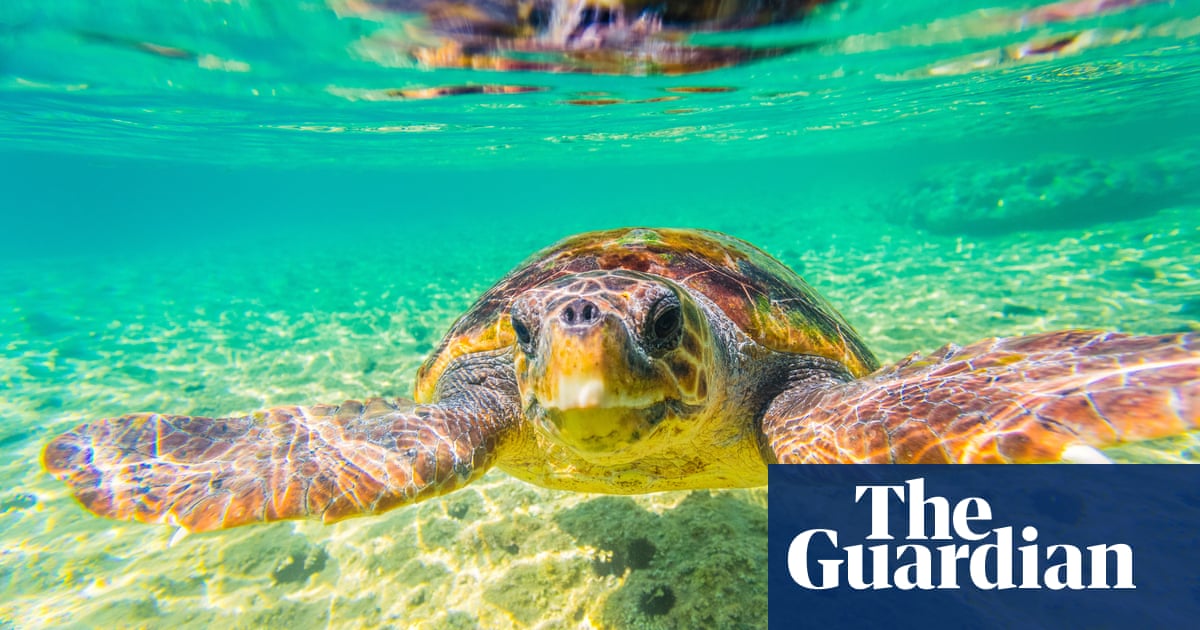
{"x": 612, "y": 364}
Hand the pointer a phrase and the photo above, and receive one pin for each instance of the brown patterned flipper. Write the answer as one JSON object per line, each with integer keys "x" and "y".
{"x": 1046, "y": 397}
{"x": 327, "y": 462}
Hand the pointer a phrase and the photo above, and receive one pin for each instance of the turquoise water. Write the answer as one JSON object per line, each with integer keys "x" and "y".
{"x": 212, "y": 207}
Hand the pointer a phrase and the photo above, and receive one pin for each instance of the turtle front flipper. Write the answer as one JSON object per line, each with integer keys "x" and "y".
{"x": 328, "y": 462}
{"x": 1047, "y": 397}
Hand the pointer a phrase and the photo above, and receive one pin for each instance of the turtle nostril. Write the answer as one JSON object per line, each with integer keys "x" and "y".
{"x": 580, "y": 313}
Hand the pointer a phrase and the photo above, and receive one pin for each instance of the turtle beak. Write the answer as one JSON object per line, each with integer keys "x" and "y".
{"x": 593, "y": 383}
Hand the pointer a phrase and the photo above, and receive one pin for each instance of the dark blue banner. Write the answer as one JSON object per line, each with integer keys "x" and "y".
{"x": 1049, "y": 546}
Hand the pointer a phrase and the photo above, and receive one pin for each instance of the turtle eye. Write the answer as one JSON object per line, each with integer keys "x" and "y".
{"x": 524, "y": 337}
{"x": 666, "y": 322}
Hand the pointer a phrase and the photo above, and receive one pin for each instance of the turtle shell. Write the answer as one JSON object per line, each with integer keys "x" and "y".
{"x": 768, "y": 301}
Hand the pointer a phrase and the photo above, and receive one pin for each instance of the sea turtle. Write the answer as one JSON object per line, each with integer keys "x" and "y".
{"x": 632, "y": 361}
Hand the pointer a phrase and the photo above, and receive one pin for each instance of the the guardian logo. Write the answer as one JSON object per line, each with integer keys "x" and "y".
{"x": 948, "y": 546}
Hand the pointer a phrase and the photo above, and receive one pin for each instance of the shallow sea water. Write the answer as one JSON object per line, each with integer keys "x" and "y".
{"x": 263, "y": 221}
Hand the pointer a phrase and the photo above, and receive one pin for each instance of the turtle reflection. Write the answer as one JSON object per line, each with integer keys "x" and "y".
{"x": 592, "y": 36}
